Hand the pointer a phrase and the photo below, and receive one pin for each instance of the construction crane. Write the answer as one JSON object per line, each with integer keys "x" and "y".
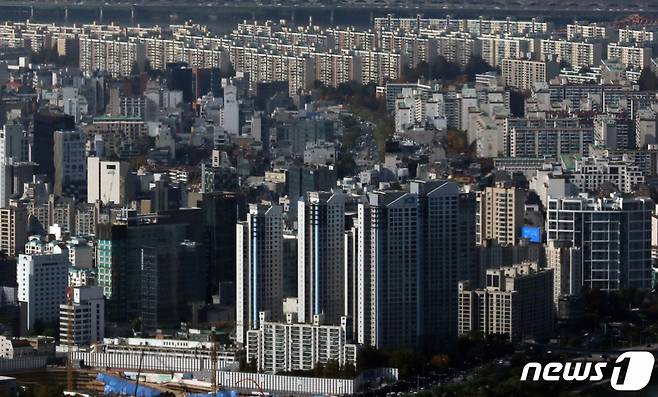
{"x": 213, "y": 362}
{"x": 69, "y": 338}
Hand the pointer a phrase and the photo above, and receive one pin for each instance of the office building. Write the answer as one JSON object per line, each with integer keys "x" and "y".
{"x": 614, "y": 234}
{"x": 221, "y": 211}
{"x": 13, "y": 152}
{"x": 146, "y": 264}
{"x": 43, "y": 140}
{"x": 70, "y": 162}
{"x": 122, "y": 136}
{"x": 107, "y": 181}
{"x": 231, "y": 110}
{"x": 301, "y": 180}
{"x": 83, "y": 315}
{"x": 42, "y": 281}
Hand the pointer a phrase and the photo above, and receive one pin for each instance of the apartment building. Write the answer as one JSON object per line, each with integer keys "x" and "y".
{"x": 458, "y": 47}
{"x": 547, "y": 137}
{"x": 320, "y": 248}
{"x": 590, "y": 173}
{"x": 409, "y": 245}
{"x": 116, "y": 55}
{"x": 576, "y": 31}
{"x": 633, "y": 56}
{"x": 517, "y": 301}
{"x": 575, "y": 53}
{"x": 380, "y": 66}
{"x": 644, "y": 36}
{"x": 499, "y": 214}
{"x": 292, "y": 346}
{"x": 522, "y": 74}
{"x": 259, "y": 267}
{"x": 495, "y": 49}
{"x": 13, "y": 230}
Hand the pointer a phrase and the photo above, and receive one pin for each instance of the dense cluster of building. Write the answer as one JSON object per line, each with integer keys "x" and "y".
{"x": 178, "y": 177}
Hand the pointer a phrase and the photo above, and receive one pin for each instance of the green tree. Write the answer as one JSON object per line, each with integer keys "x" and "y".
{"x": 476, "y": 65}
{"x": 648, "y": 80}
{"x": 383, "y": 133}
{"x": 407, "y": 361}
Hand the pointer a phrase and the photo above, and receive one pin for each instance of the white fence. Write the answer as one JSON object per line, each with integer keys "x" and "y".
{"x": 299, "y": 384}
{"x": 18, "y": 364}
{"x": 150, "y": 362}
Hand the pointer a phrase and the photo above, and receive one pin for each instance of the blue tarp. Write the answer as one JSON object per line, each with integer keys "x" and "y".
{"x": 114, "y": 385}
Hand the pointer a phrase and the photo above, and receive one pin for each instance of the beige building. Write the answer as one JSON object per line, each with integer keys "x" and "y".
{"x": 566, "y": 262}
{"x": 577, "y": 31}
{"x": 523, "y": 74}
{"x": 631, "y": 56}
{"x": 116, "y": 55}
{"x": 13, "y": 230}
{"x": 499, "y": 214}
{"x": 576, "y": 53}
{"x": 496, "y": 48}
{"x": 517, "y": 301}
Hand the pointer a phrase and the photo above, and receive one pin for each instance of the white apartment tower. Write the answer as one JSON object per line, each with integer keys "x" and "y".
{"x": 320, "y": 256}
{"x": 259, "y": 267}
{"x": 389, "y": 270}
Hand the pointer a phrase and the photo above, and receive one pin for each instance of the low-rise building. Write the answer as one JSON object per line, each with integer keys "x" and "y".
{"x": 14, "y": 348}
{"x": 291, "y": 346}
